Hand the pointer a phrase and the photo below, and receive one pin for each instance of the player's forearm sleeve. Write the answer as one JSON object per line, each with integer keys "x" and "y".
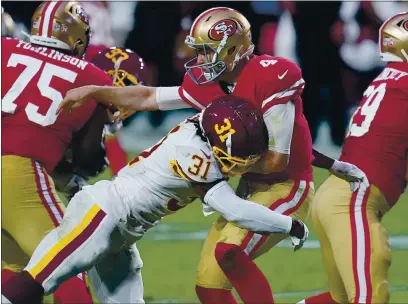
{"x": 246, "y": 214}
{"x": 279, "y": 121}
{"x": 168, "y": 98}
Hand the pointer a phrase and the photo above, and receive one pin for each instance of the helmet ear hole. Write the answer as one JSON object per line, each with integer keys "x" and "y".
{"x": 231, "y": 50}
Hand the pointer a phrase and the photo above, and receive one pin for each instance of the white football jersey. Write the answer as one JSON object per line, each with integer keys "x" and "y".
{"x": 159, "y": 181}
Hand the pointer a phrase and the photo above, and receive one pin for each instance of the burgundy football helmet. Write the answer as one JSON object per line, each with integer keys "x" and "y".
{"x": 236, "y": 132}
{"x": 125, "y": 67}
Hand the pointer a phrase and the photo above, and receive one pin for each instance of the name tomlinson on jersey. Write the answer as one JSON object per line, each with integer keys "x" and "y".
{"x": 50, "y": 53}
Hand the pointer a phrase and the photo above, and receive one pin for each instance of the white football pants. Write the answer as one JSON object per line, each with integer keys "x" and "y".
{"x": 89, "y": 239}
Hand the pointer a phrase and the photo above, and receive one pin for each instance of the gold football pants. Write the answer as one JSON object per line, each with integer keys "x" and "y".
{"x": 290, "y": 198}
{"x": 30, "y": 209}
{"x": 354, "y": 243}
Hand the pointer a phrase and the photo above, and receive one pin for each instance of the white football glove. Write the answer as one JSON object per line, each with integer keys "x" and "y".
{"x": 350, "y": 173}
{"x": 301, "y": 229}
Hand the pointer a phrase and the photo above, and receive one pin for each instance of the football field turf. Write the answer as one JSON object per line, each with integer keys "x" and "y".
{"x": 171, "y": 253}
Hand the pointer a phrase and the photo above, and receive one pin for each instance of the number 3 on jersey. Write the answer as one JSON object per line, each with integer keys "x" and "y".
{"x": 33, "y": 66}
{"x": 364, "y": 115}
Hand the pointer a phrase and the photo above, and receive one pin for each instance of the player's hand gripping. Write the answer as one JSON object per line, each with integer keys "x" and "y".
{"x": 298, "y": 233}
{"x": 350, "y": 173}
{"x": 75, "y": 98}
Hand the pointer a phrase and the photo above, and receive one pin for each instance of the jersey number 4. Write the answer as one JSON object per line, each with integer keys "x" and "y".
{"x": 33, "y": 66}
{"x": 364, "y": 115}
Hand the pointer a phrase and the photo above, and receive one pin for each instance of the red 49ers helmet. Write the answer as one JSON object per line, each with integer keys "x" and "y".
{"x": 125, "y": 67}
{"x": 236, "y": 132}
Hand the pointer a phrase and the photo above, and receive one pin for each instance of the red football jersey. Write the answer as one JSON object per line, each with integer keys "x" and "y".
{"x": 265, "y": 81}
{"x": 35, "y": 80}
{"x": 377, "y": 140}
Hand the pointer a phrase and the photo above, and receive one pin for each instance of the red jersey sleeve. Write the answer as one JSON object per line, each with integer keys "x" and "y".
{"x": 281, "y": 81}
{"x": 199, "y": 96}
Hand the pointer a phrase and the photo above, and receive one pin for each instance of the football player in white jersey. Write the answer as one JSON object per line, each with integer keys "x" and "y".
{"x": 105, "y": 219}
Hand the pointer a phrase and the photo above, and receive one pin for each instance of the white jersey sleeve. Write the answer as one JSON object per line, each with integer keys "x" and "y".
{"x": 195, "y": 164}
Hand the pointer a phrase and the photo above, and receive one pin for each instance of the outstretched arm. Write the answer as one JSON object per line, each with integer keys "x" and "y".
{"x": 136, "y": 98}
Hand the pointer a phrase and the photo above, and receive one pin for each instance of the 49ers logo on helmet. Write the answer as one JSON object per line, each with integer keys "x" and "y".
{"x": 405, "y": 25}
{"x": 221, "y": 28}
{"x": 82, "y": 15}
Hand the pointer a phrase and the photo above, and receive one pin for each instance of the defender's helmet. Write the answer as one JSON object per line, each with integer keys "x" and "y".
{"x": 223, "y": 32}
{"x": 393, "y": 39}
{"x": 62, "y": 25}
{"x": 125, "y": 67}
{"x": 236, "y": 132}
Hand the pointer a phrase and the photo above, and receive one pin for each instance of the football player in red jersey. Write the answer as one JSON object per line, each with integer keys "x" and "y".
{"x": 354, "y": 243}
{"x": 224, "y": 65}
{"x": 34, "y": 138}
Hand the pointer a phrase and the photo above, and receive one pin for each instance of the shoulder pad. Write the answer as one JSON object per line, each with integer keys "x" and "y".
{"x": 195, "y": 164}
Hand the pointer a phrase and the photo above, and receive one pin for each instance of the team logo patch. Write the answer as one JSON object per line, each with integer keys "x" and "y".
{"x": 388, "y": 42}
{"x": 56, "y": 27}
{"x": 64, "y": 28}
{"x": 36, "y": 24}
{"x": 82, "y": 15}
{"x": 221, "y": 28}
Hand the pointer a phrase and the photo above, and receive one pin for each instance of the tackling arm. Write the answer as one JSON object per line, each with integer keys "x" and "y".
{"x": 246, "y": 214}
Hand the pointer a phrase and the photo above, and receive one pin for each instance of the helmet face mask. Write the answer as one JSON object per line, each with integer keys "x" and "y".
{"x": 126, "y": 68}
{"x": 224, "y": 33}
{"x": 211, "y": 69}
{"x": 393, "y": 39}
{"x": 231, "y": 165}
{"x": 121, "y": 78}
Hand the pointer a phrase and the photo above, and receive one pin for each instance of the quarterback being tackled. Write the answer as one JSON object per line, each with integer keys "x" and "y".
{"x": 281, "y": 180}
{"x": 105, "y": 219}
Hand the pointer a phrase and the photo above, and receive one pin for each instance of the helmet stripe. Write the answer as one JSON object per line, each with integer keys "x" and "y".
{"x": 51, "y": 23}
{"x": 46, "y": 16}
{"x": 201, "y": 16}
{"x": 42, "y": 18}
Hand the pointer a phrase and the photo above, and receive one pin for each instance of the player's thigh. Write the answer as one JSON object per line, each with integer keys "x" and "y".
{"x": 359, "y": 243}
{"x": 291, "y": 198}
{"x": 325, "y": 196}
{"x": 30, "y": 204}
{"x": 12, "y": 257}
{"x": 209, "y": 274}
{"x": 88, "y": 233}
